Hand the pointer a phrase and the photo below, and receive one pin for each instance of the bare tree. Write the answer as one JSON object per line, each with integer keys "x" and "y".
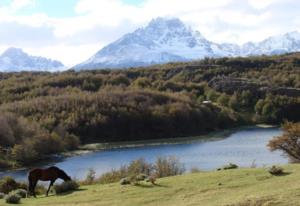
{"x": 289, "y": 141}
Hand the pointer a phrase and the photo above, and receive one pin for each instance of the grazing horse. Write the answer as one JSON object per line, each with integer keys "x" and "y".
{"x": 50, "y": 174}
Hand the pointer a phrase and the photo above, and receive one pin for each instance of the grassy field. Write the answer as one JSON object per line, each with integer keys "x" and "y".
{"x": 241, "y": 187}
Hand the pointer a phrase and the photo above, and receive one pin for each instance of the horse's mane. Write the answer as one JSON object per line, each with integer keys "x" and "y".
{"x": 62, "y": 174}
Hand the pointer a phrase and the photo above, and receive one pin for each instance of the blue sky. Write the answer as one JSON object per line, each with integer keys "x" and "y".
{"x": 73, "y": 30}
{"x": 58, "y": 8}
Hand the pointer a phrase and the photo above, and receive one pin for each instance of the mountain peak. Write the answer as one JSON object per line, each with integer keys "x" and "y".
{"x": 12, "y": 51}
{"x": 166, "y": 22}
{"x": 169, "y": 40}
{"x": 174, "y": 26}
{"x": 294, "y": 34}
{"x": 15, "y": 59}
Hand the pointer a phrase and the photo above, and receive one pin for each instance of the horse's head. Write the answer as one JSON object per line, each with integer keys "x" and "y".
{"x": 64, "y": 176}
{"x": 67, "y": 178}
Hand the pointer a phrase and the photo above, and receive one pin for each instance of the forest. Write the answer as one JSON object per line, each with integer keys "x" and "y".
{"x": 47, "y": 113}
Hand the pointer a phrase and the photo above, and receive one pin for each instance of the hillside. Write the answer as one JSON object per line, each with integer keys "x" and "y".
{"x": 64, "y": 110}
{"x": 242, "y": 187}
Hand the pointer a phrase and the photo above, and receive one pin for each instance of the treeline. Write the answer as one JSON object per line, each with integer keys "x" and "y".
{"x": 45, "y": 113}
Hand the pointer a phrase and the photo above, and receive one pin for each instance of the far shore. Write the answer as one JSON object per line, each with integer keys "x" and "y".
{"x": 211, "y": 136}
{"x": 94, "y": 147}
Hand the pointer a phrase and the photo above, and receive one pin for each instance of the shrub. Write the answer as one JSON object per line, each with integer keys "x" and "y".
{"x": 2, "y": 195}
{"x": 169, "y": 166}
{"x": 274, "y": 170}
{"x": 66, "y": 187}
{"x": 230, "y": 166}
{"x": 140, "y": 170}
{"x": 8, "y": 184}
{"x": 113, "y": 176}
{"x": 195, "y": 170}
{"x": 141, "y": 177}
{"x": 132, "y": 171}
{"x": 4, "y": 164}
{"x": 21, "y": 192}
{"x": 90, "y": 177}
{"x": 139, "y": 166}
{"x": 125, "y": 181}
{"x": 288, "y": 142}
{"x": 151, "y": 179}
{"x": 12, "y": 198}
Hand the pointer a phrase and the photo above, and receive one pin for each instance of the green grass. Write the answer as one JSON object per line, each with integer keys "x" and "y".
{"x": 240, "y": 187}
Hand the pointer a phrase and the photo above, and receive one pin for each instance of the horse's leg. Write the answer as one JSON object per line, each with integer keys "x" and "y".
{"x": 33, "y": 187}
{"x": 51, "y": 183}
{"x": 28, "y": 189}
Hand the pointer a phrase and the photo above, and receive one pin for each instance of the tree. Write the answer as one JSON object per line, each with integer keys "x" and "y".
{"x": 259, "y": 106}
{"x": 289, "y": 141}
{"x": 234, "y": 102}
{"x": 223, "y": 100}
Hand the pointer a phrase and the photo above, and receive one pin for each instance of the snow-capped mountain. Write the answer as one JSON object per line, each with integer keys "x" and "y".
{"x": 289, "y": 42}
{"x": 170, "y": 40}
{"x": 15, "y": 60}
{"x": 163, "y": 40}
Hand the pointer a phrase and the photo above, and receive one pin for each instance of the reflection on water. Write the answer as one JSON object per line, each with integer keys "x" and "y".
{"x": 241, "y": 147}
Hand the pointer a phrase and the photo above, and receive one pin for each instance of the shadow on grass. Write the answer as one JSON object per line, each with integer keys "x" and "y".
{"x": 150, "y": 186}
{"x": 282, "y": 174}
{"x": 61, "y": 194}
{"x": 70, "y": 192}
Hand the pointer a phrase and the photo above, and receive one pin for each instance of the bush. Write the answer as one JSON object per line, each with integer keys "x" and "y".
{"x": 141, "y": 177}
{"x": 12, "y": 198}
{"x": 140, "y": 170}
{"x": 288, "y": 142}
{"x": 125, "y": 181}
{"x": 151, "y": 179}
{"x": 230, "y": 166}
{"x": 2, "y": 195}
{"x": 132, "y": 171}
{"x": 4, "y": 164}
{"x": 21, "y": 192}
{"x": 113, "y": 176}
{"x": 66, "y": 187}
{"x": 169, "y": 166}
{"x": 274, "y": 170}
{"x": 195, "y": 170}
{"x": 90, "y": 177}
{"x": 8, "y": 184}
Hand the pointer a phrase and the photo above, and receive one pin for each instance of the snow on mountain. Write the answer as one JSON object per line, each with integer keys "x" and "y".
{"x": 163, "y": 40}
{"x": 15, "y": 60}
{"x": 169, "y": 40}
{"x": 289, "y": 42}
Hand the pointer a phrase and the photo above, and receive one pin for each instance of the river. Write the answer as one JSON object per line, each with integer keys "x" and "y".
{"x": 243, "y": 147}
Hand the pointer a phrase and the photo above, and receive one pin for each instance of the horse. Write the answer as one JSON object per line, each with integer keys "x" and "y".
{"x": 50, "y": 174}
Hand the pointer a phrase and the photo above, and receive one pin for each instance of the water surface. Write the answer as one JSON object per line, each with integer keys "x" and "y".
{"x": 242, "y": 147}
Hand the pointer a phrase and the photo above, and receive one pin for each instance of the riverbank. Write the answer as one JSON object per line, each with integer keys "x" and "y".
{"x": 240, "y": 187}
{"x": 89, "y": 148}
{"x": 211, "y": 136}
{"x": 243, "y": 146}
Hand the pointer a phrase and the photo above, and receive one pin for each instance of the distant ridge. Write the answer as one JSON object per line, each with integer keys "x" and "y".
{"x": 16, "y": 60}
{"x": 170, "y": 40}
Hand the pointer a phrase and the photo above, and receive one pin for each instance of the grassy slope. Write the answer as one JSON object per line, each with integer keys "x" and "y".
{"x": 242, "y": 187}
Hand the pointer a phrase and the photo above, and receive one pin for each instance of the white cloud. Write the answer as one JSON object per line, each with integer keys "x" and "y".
{"x": 261, "y": 4}
{"x": 98, "y": 22}
{"x": 20, "y": 4}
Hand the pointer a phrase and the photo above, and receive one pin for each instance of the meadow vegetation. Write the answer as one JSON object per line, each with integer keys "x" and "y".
{"x": 238, "y": 187}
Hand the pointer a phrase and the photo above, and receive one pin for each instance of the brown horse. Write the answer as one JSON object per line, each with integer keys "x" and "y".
{"x": 50, "y": 174}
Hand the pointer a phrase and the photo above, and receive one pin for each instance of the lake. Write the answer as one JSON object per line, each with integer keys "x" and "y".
{"x": 242, "y": 147}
